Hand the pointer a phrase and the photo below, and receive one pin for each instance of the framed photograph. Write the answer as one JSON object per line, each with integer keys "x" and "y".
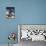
{"x": 32, "y": 32}
{"x": 10, "y": 12}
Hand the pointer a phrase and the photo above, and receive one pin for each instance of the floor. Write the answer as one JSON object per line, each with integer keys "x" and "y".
{"x": 30, "y": 43}
{"x": 7, "y": 45}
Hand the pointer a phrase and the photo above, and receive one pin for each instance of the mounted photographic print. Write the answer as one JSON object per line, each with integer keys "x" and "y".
{"x": 10, "y": 12}
{"x": 32, "y": 32}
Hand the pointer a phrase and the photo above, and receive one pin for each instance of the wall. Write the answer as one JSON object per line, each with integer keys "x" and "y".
{"x": 27, "y": 12}
{"x": 6, "y": 25}
{"x": 31, "y": 11}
